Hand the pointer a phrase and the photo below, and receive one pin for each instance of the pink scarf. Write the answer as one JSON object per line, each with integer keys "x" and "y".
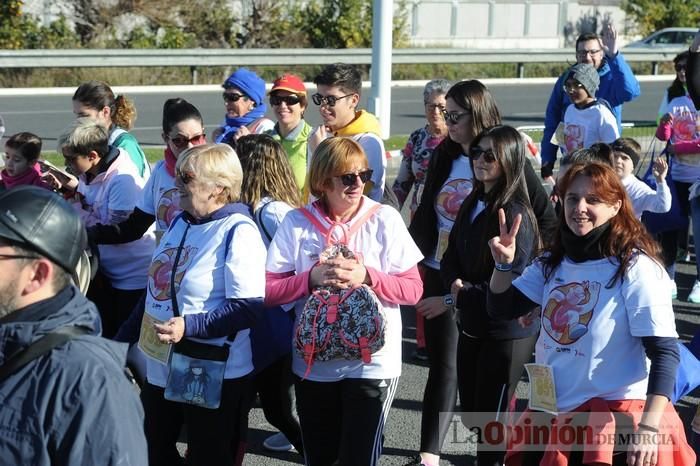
{"x": 31, "y": 177}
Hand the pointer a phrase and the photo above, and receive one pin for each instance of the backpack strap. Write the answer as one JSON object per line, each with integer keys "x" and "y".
{"x": 347, "y": 231}
{"x": 39, "y": 348}
{"x": 261, "y": 224}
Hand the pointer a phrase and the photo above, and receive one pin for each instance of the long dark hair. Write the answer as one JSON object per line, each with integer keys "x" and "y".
{"x": 677, "y": 88}
{"x": 627, "y": 236}
{"x": 473, "y": 97}
{"x": 510, "y": 151}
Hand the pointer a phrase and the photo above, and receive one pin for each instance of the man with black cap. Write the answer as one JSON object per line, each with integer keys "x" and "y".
{"x": 65, "y": 398}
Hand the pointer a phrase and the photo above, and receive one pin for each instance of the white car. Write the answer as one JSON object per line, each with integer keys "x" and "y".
{"x": 667, "y": 37}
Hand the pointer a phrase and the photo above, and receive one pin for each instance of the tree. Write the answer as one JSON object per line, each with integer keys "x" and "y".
{"x": 652, "y": 15}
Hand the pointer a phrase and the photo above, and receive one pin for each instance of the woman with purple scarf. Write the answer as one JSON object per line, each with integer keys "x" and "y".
{"x": 244, "y": 94}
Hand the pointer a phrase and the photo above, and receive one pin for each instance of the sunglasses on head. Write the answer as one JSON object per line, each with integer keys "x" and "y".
{"x": 348, "y": 179}
{"x": 328, "y": 100}
{"x": 287, "y": 99}
{"x": 232, "y": 96}
{"x": 453, "y": 118}
{"x": 476, "y": 152}
{"x": 183, "y": 141}
{"x": 185, "y": 177}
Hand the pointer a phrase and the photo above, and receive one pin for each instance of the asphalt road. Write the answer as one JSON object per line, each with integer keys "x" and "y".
{"x": 520, "y": 104}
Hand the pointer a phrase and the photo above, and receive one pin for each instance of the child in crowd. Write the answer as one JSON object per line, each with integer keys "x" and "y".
{"x": 626, "y": 152}
{"x": 22, "y": 151}
{"x": 587, "y": 120}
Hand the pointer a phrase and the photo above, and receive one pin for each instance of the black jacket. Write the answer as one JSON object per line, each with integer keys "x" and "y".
{"x": 468, "y": 257}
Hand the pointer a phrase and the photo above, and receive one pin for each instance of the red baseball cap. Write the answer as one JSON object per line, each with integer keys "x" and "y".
{"x": 289, "y": 82}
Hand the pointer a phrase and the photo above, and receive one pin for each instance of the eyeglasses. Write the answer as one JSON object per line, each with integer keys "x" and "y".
{"x": 348, "y": 179}
{"x": 453, "y": 117}
{"x": 287, "y": 99}
{"x": 183, "y": 141}
{"x": 17, "y": 256}
{"x": 432, "y": 107}
{"x": 680, "y": 67}
{"x": 572, "y": 87}
{"x": 328, "y": 100}
{"x": 232, "y": 96}
{"x": 583, "y": 53}
{"x": 185, "y": 177}
{"x": 476, "y": 152}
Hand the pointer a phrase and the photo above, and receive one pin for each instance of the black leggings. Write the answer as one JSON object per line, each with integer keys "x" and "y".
{"x": 214, "y": 436}
{"x": 342, "y": 423}
{"x": 673, "y": 239}
{"x": 274, "y": 385}
{"x": 114, "y": 305}
{"x": 488, "y": 372}
{"x": 440, "y": 395}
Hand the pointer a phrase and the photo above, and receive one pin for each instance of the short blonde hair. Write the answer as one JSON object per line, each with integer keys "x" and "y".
{"x": 216, "y": 165}
{"x": 333, "y": 157}
{"x": 83, "y": 136}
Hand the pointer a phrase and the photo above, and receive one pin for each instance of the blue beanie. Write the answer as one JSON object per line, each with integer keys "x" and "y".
{"x": 249, "y": 83}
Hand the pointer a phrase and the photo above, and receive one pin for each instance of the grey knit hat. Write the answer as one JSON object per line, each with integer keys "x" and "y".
{"x": 587, "y": 75}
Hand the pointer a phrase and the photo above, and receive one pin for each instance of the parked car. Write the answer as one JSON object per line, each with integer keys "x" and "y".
{"x": 667, "y": 37}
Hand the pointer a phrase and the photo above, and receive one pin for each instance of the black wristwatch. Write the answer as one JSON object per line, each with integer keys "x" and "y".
{"x": 448, "y": 300}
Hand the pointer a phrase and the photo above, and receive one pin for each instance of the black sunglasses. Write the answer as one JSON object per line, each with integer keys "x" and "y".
{"x": 183, "y": 141}
{"x": 348, "y": 179}
{"x": 476, "y": 152}
{"x": 185, "y": 177}
{"x": 16, "y": 256}
{"x": 453, "y": 117}
{"x": 680, "y": 67}
{"x": 287, "y": 99}
{"x": 329, "y": 100}
{"x": 232, "y": 97}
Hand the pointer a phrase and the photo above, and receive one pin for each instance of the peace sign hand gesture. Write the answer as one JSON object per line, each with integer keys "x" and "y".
{"x": 503, "y": 246}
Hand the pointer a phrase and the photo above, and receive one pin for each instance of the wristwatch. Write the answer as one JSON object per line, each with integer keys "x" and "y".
{"x": 448, "y": 300}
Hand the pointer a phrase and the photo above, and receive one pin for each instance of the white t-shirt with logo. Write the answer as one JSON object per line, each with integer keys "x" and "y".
{"x": 449, "y": 199}
{"x": 160, "y": 198}
{"x": 209, "y": 272}
{"x": 591, "y": 335}
{"x": 587, "y": 126}
{"x": 385, "y": 244}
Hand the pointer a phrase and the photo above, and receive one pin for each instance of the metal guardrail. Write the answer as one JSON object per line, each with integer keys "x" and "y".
{"x": 194, "y": 58}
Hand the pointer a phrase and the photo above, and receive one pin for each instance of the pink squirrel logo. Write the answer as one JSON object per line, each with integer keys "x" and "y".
{"x": 685, "y": 126}
{"x": 573, "y": 135}
{"x": 569, "y": 310}
{"x": 161, "y": 268}
{"x": 168, "y": 208}
{"x": 451, "y": 197}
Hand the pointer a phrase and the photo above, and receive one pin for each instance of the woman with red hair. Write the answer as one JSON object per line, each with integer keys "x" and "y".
{"x": 608, "y": 344}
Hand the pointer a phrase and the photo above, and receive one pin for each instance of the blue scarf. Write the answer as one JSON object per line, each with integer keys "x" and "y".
{"x": 231, "y": 124}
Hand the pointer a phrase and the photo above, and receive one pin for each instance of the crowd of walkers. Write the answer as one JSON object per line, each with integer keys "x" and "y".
{"x": 270, "y": 261}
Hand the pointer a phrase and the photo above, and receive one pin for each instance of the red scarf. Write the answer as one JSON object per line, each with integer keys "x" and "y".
{"x": 32, "y": 176}
{"x": 170, "y": 161}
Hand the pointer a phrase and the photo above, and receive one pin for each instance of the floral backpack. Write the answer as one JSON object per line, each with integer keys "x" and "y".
{"x": 340, "y": 323}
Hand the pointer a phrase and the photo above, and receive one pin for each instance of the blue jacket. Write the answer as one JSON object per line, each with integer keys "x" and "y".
{"x": 617, "y": 86}
{"x": 73, "y": 406}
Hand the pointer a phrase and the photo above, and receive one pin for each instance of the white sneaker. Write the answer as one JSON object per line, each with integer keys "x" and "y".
{"x": 674, "y": 290}
{"x": 278, "y": 442}
{"x": 694, "y": 296}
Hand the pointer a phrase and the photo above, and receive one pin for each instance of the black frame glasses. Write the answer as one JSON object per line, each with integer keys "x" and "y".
{"x": 476, "y": 152}
{"x": 181, "y": 141}
{"x": 232, "y": 96}
{"x": 583, "y": 53}
{"x": 348, "y": 179}
{"x": 185, "y": 177}
{"x": 452, "y": 118}
{"x": 329, "y": 100}
{"x": 16, "y": 256}
{"x": 290, "y": 100}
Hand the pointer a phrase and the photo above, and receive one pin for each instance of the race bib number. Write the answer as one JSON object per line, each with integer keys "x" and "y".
{"x": 543, "y": 396}
{"x": 148, "y": 340}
